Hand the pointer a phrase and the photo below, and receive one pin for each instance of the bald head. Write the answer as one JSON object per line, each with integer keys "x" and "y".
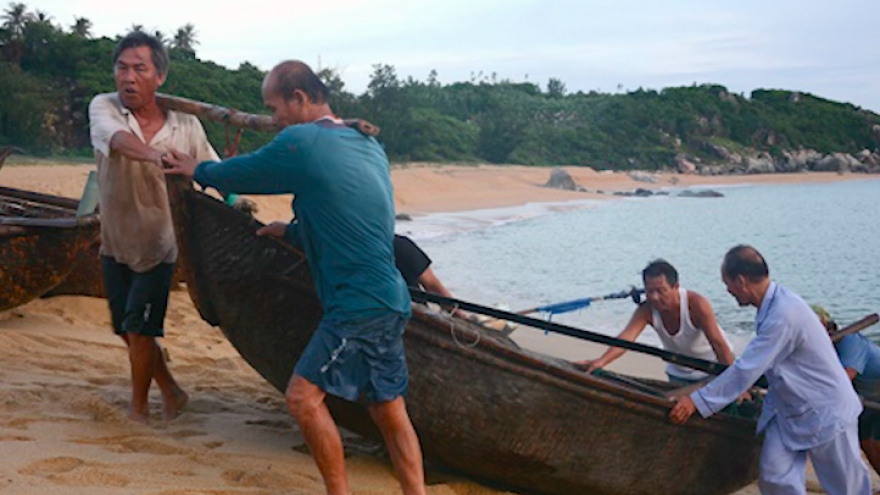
{"x": 292, "y": 75}
{"x": 746, "y": 261}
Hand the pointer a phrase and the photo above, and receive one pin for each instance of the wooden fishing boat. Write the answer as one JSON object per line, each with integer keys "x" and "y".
{"x": 481, "y": 405}
{"x": 41, "y": 241}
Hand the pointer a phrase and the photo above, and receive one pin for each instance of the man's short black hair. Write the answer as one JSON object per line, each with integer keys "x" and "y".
{"x": 746, "y": 261}
{"x": 661, "y": 267}
{"x": 135, "y": 39}
{"x": 292, "y": 75}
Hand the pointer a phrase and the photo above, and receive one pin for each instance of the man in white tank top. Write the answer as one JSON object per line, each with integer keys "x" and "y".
{"x": 683, "y": 320}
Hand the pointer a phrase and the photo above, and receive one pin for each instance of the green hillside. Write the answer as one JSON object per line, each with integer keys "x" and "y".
{"x": 48, "y": 74}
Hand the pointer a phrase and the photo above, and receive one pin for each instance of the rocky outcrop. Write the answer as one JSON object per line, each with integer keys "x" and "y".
{"x": 643, "y": 177}
{"x": 704, "y": 193}
{"x": 560, "y": 179}
{"x": 760, "y": 164}
{"x": 789, "y": 161}
{"x": 684, "y": 165}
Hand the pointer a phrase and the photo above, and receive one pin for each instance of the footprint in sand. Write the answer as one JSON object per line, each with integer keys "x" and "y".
{"x": 271, "y": 423}
{"x": 135, "y": 445}
{"x": 189, "y": 491}
{"x": 269, "y": 478}
{"x": 15, "y": 438}
{"x": 71, "y": 471}
{"x": 101, "y": 410}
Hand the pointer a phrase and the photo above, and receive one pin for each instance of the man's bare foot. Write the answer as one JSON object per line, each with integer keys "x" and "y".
{"x": 171, "y": 408}
{"x": 142, "y": 417}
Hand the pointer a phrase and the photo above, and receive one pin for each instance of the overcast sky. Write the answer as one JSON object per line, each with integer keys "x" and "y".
{"x": 828, "y": 48}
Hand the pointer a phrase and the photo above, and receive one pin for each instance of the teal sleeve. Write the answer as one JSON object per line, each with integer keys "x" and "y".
{"x": 276, "y": 168}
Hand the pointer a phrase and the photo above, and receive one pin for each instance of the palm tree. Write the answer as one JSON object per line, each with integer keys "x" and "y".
{"x": 185, "y": 39}
{"x": 82, "y": 27}
{"x": 42, "y": 17}
{"x": 161, "y": 38}
{"x": 15, "y": 17}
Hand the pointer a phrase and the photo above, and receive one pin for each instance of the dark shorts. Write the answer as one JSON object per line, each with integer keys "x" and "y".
{"x": 869, "y": 425}
{"x": 348, "y": 358}
{"x": 138, "y": 301}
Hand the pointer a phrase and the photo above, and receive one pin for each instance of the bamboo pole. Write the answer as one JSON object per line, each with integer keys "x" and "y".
{"x": 855, "y": 327}
{"x": 255, "y": 122}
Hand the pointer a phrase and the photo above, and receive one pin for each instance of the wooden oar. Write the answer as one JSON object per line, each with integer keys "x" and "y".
{"x": 855, "y": 327}
{"x": 255, "y": 122}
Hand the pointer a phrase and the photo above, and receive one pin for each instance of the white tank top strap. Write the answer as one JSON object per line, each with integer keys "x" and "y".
{"x": 689, "y": 340}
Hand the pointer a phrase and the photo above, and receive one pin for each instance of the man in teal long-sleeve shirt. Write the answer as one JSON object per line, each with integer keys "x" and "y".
{"x": 344, "y": 221}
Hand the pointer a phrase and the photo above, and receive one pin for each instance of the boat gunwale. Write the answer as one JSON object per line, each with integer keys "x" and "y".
{"x": 589, "y": 386}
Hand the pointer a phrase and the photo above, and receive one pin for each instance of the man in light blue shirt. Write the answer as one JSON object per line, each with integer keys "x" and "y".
{"x": 810, "y": 406}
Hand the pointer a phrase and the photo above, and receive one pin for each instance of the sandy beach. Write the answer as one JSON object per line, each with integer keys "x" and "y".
{"x": 64, "y": 380}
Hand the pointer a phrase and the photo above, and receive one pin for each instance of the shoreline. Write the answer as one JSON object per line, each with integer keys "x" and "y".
{"x": 423, "y": 189}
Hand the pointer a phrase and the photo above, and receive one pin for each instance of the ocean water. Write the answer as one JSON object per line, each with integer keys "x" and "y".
{"x": 820, "y": 240}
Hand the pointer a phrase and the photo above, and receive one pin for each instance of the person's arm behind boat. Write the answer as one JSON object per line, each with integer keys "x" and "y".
{"x": 633, "y": 329}
{"x": 433, "y": 284}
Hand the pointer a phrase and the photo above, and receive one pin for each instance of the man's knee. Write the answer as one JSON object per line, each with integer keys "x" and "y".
{"x": 388, "y": 413}
{"x": 140, "y": 343}
{"x": 303, "y": 398}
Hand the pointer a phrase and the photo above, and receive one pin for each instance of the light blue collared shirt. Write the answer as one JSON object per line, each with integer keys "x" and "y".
{"x": 809, "y": 392}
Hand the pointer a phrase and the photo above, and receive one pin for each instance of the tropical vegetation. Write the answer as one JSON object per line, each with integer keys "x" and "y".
{"x": 48, "y": 74}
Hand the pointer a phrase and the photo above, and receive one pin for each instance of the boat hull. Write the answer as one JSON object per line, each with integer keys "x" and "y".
{"x": 480, "y": 405}
{"x": 41, "y": 241}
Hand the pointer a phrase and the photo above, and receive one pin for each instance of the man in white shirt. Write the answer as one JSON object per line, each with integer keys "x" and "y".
{"x": 130, "y": 134}
{"x": 683, "y": 320}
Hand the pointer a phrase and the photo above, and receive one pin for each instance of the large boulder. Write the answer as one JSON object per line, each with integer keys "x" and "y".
{"x": 642, "y": 177}
{"x": 703, "y": 193}
{"x": 836, "y": 162}
{"x": 684, "y": 165}
{"x": 560, "y": 179}
{"x": 761, "y": 164}
{"x": 798, "y": 160}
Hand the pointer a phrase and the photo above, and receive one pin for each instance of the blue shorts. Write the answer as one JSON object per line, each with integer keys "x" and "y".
{"x": 138, "y": 301}
{"x": 348, "y": 358}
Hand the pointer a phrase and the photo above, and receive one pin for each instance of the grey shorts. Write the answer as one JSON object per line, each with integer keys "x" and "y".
{"x": 349, "y": 358}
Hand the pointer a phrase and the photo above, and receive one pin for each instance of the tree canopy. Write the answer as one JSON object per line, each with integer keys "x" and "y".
{"x": 48, "y": 75}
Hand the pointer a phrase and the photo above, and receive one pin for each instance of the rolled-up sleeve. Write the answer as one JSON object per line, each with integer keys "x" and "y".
{"x": 105, "y": 120}
{"x": 201, "y": 148}
{"x": 769, "y": 346}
